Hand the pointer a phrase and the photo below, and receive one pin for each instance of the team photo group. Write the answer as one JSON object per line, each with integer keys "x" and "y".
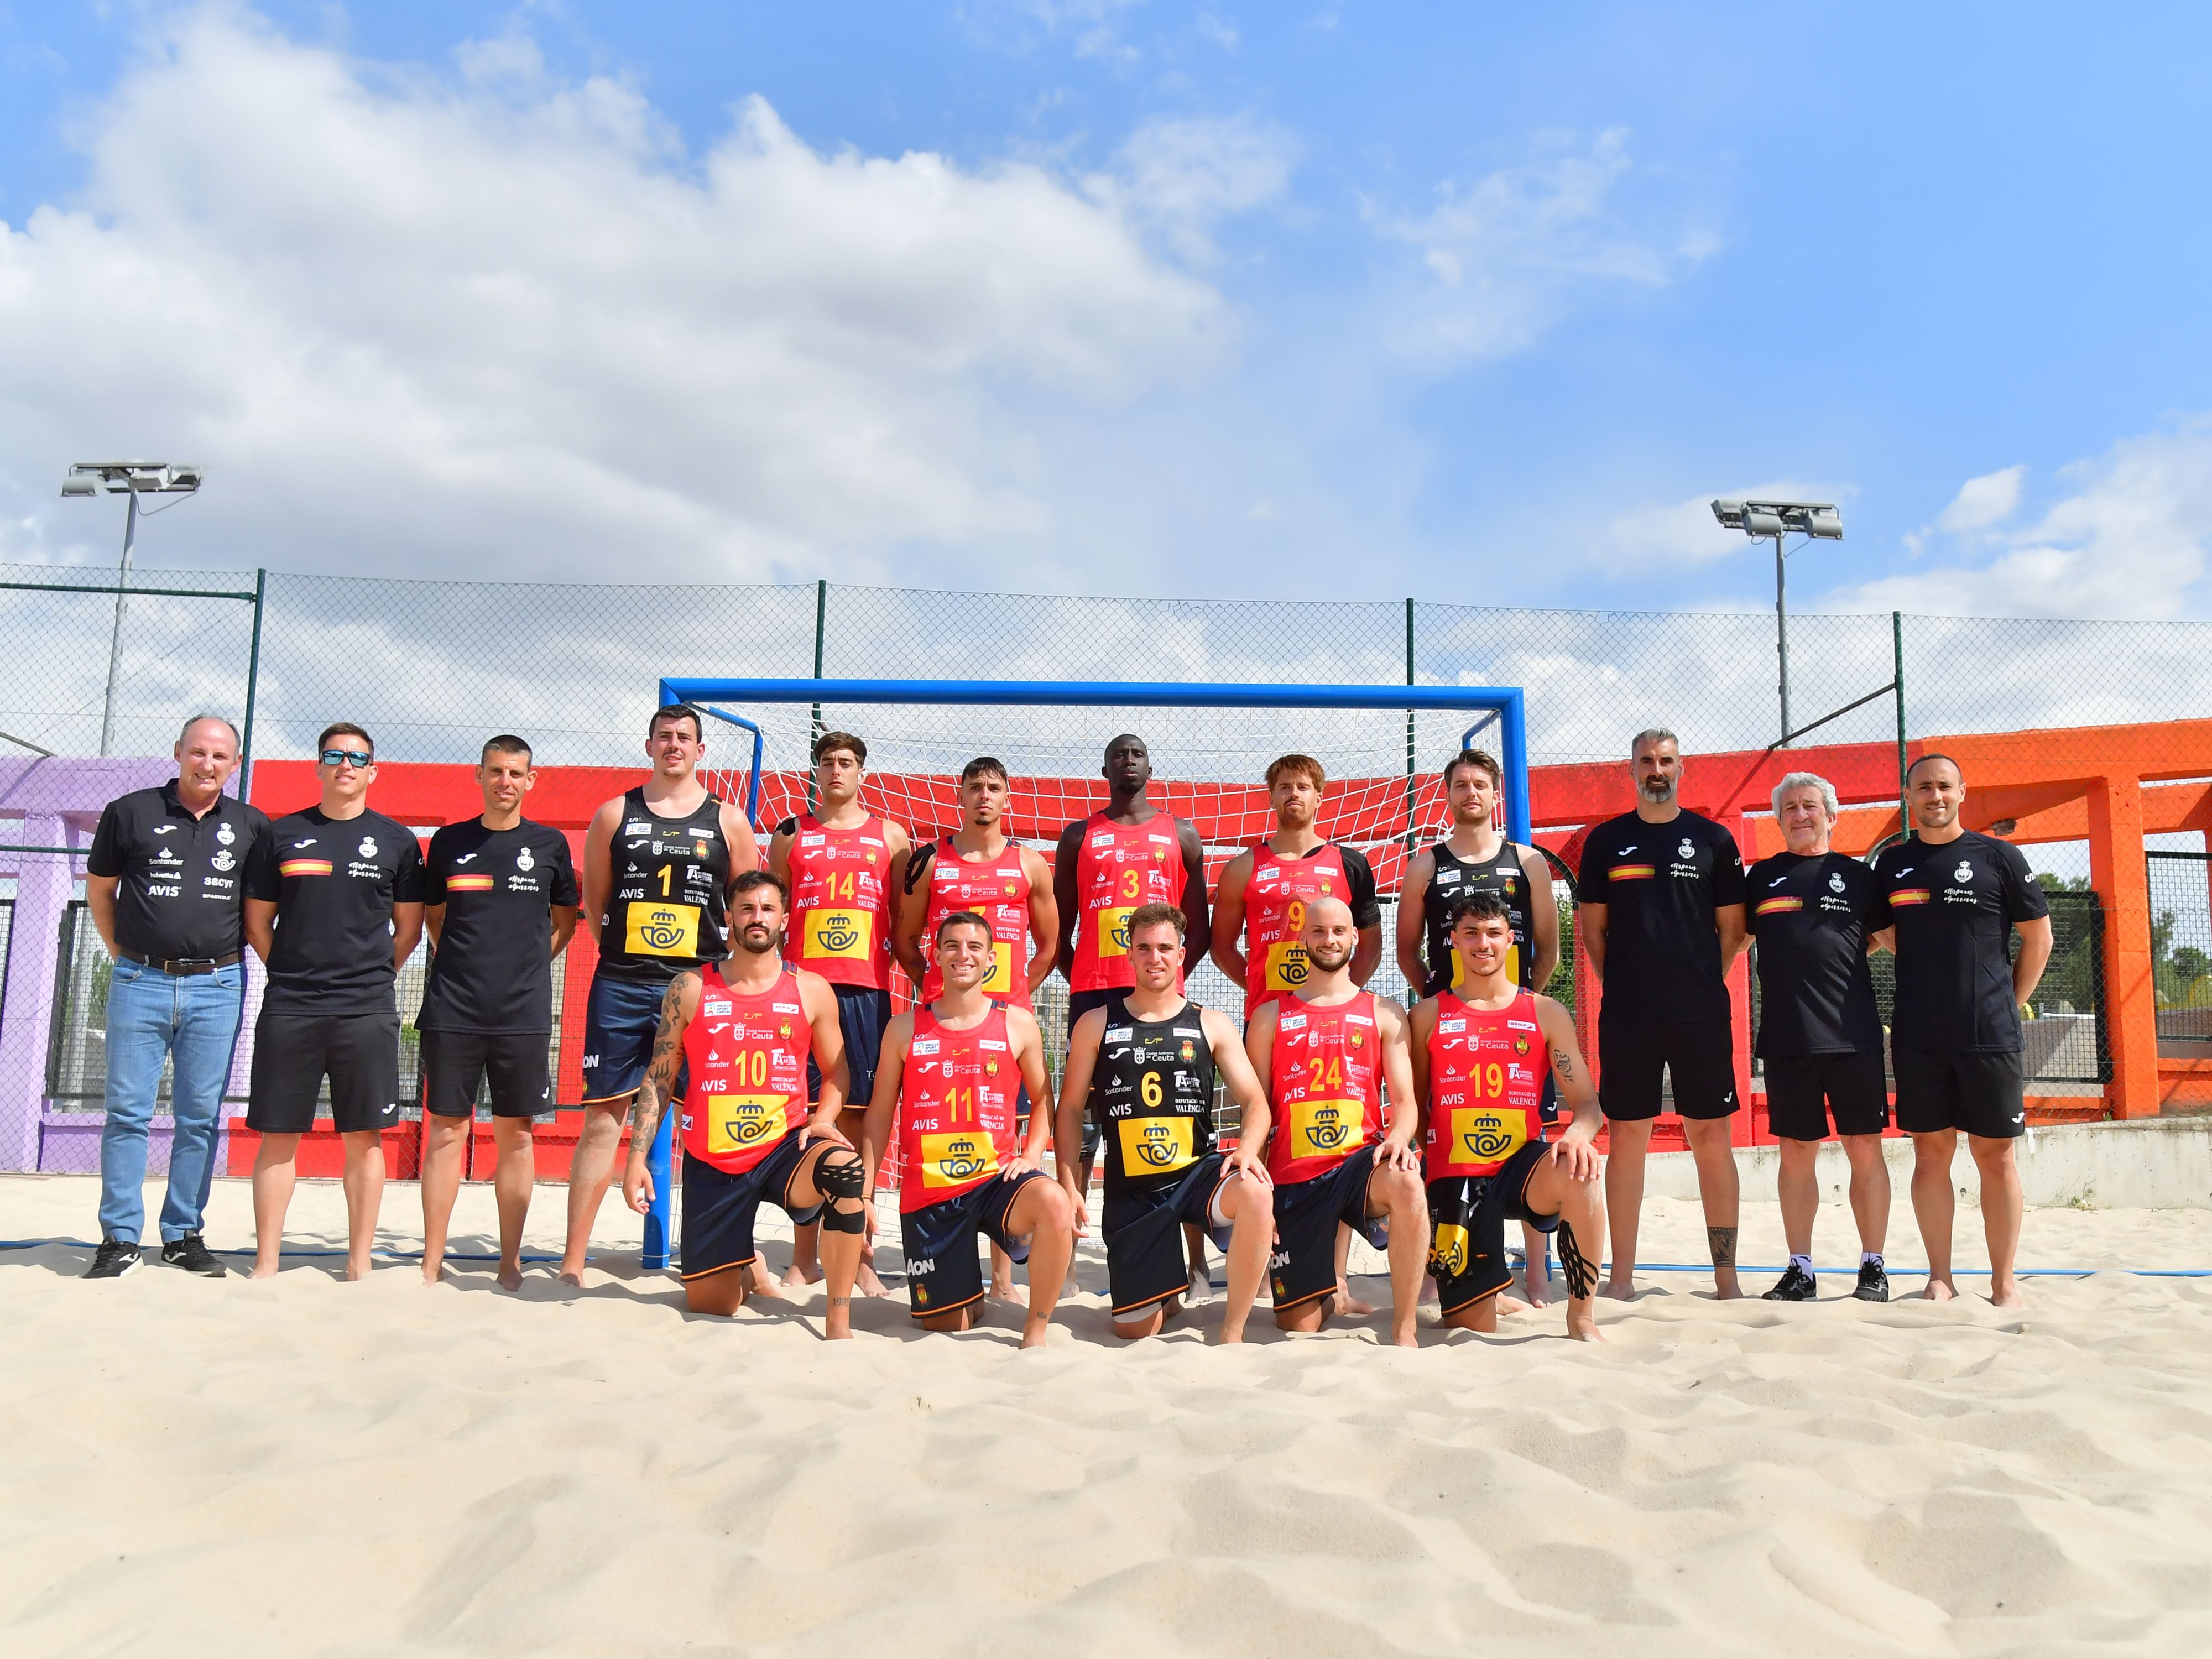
{"x": 744, "y": 986}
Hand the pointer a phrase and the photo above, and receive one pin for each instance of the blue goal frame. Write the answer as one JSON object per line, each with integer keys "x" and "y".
{"x": 1503, "y": 702}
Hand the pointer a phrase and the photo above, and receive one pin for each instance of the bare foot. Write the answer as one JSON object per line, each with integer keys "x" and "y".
{"x": 1033, "y": 1336}
{"x": 433, "y": 1275}
{"x": 1408, "y": 1338}
{"x": 1348, "y": 1304}
{"x": 1229, "y": 1338}
{"x": 263, "y": 1269}
{"x": 572, "y": 1273}
{"x": 801, "y": 1275}
{"x": 510, "y": 1275}
{"x": 837, "y": 1319}
{"x": 2008, "y": 1297}
{"x": 1582, "y": 1327}
{"x": 1002, "y": 1290}
{"x": 1940, "y": 1289}
{"x": 765, "y": 1284}
{"x": 1727, "y": 1289}
{"x": 1514, "y": 1304}
{"x": 1619, "y": 1290}
{"x": 870, "y": 1284}
{"x": 354, "y": 1274}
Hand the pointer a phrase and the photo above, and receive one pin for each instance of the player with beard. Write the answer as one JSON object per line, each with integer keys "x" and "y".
{"x": 1662, "y": 902}
{"x": 1325, "y": 1054}
{"x": 1150, "y": 1058}
{"x": 744, "y": 1032}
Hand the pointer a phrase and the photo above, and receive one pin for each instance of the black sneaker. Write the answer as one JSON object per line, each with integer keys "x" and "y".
{"x": 113, "y": 1258}
{"x": 1874, "y": 1283}
{"x": 1797, "y": 1285}
{"x": 192, "y": 1254}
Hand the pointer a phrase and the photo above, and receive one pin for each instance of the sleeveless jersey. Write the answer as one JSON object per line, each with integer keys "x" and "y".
{"x": 998, "y": 889}
{"x": 1454, "y": 878}
{"x": 746, "y": 1058}
{"x": 1118, "y": 866}
{"x": 956, "y": 1109}
{"x": 1326, "y": 1084}
{"x": 1154, "y": 1085}
{"x": 668, "y": 909}
{"x": 840, "y": 902}
{"x": 1485, "y": 1085}
{"x": 1275, "y": 900}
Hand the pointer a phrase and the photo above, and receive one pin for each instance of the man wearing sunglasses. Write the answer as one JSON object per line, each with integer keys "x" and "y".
{"x": 333, "y": 906}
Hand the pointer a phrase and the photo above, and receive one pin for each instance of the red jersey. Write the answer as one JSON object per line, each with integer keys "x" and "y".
{"x": 956, "y": 1109}
{"x": 1275, "y": 900}
{"x": 1118, "y": 866}
{"x": 1485, "y": 1085}
{"x": 1326, "y": 1085}
{"x": 997, "y": 889}
{"x": 841, "y": 895}
{"x": 747, "y": 1060}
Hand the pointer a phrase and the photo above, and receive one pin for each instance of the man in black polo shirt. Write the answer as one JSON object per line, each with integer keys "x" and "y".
{"x": 333, "y": 905}
{"x": 501, "y": 897}
{"x": 164, "y": 884}
{"x": 1949, "y": 902}
{"x": 1819, "y": 1033}
{"x": 1660, "y": 914}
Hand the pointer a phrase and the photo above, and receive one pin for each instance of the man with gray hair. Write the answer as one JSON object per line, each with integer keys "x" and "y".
{"x": 165, "y": 882}
{"x": 1813, "y": 912}
{"x": 1660, "y": 914}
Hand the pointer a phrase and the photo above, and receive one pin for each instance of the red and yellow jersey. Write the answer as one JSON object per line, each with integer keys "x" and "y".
{"x": 746, "y": 1057}
{"x": 1118, "y": 866}
{"x": 997, "y": 890}
{"x": 1275, "y": 900}
{"x": 840, "y": 891}
{"x": 1325, "y": 1084}
{"x": 1485, "y": 1085}
{"x": 956, "y": 1109}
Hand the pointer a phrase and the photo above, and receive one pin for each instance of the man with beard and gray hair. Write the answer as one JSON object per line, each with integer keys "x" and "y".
{"x": 1660, "y": 914}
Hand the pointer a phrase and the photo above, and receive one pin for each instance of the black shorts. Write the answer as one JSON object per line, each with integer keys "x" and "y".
{"x": 719, "y": 1207}
{"x": 1983, "y": 1093}
{"x": 1803, "y": 1090}
{"x": 1466, "y": 1227}
{"x": 942, "y": 1273}
{"x": 1303, "y": 1266}
{"x": 862, "y": 1013}
{"x": 1700, "y": 1060}
{"x": 1080, "y": 1003}
{"x": 620, "y": 1019}
{"x": 1143, "y": 1225}
{"x": 454, "y": 1065}
{"x": 292, "y": 1054}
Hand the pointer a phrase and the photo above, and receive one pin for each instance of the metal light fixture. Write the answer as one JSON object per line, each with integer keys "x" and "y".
{"x": 1815, "y": 520}
{"x": 134, "y": 479}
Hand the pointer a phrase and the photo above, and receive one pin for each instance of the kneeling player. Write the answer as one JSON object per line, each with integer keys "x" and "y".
{"x": 945, "y": 1084}
{"x": 743, "y": 1030}
{"x": 1479, "y": 1056}
{"x": 1149, "y": 1056}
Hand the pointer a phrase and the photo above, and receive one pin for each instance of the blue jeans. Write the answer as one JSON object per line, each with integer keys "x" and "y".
{"x": 152, "y": 1016}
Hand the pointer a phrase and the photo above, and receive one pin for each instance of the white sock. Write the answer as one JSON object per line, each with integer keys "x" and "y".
{"x": 1803, "y": 1262}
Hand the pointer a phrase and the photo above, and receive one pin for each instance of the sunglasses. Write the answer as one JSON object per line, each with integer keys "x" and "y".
{"x": 356, "y": 757}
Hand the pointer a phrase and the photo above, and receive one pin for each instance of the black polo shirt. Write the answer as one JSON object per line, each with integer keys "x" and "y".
{"x": 1953, "y": 904}
{"x": 492, "y": 969}
{"x": 1811, "y": 917}
{"x": 334, "y": 882}
{"x": 1661, "y": 883}
{"x": 181, "y": 893}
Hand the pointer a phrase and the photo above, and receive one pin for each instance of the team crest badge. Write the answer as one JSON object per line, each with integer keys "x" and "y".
{"x": 523, "y": 860}
{"x": 870, "y": 855}
{"x": 1010, "y": 890}
{"x": 1964, "y": 872}
{"x": 1689, "y": 849}
{"x": 1520, "y": 1045}
{"x": 1358, "y": 1039}
{"x": 368, "y": 847}
{"x": 784, "y": 1031}
{"x": 990, "y": 1068}
{"x": 1835, "y": 881}
{"x": 1189, "y": 1052}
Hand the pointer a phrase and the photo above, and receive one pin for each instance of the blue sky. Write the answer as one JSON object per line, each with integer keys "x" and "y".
{"x": 1126, "y": 298}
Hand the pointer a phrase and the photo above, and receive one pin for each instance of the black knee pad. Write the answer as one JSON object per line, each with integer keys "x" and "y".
{"x": 839, "y": 1174}
{"x": 835, "y": 1220}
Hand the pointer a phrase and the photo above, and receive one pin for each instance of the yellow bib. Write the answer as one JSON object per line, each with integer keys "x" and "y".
{"x": 1448, "y": 1251}
{"x": 1000, "y": 982}
{"x": 662, "y": 929}
{"x": 849, "y": 934}
{"x": 1113, "y": 929}
{"x": 1155, "y": 1146}
{"x": 1326, "y": 1128}
{"x": 1481, "y": 1135}
{"x": 957, "y": 1158}
{"x": 738, "y": 1123}
{"x": 1286, "y": 965}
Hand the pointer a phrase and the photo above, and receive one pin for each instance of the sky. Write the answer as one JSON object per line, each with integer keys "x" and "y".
{"x": 1470, "y": 302}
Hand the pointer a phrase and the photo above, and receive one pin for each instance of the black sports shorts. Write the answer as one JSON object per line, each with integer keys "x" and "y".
{"x": 1700, "y": 1060}
{"x": 620, "y": 1019}
{"x": 1983, "y": 1093}
{"x": 1143, "y": 1224}
{"x": 1303, "y": 1266}
{"x": 455, "y": 1063}
{"x": 293, "y": 1054}
{"x": 862, "y": 1013}
{"x": 1466, "y": 1227}
{"x": 720, "y": 1208}
{"x": 1803, "y": 1090}
{"x": 942, "y": 1273}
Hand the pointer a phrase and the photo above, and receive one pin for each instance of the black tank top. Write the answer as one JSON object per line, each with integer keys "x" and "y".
{"x": 1154, "y": 1086}
{"x": 1453, "y": 878}
{"x": 669, "y": 906}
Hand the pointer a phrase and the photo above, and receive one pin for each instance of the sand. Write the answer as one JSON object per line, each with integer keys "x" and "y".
{"x": 190, "y": 1468}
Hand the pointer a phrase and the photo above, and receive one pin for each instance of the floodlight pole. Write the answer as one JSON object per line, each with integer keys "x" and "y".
{"x": 115, "y": 641}
{"x": 1782, "y": 637}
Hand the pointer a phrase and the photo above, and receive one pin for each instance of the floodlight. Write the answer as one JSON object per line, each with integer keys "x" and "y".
{"x": 134, "y": 479}
{"x": 1816, "y": 521}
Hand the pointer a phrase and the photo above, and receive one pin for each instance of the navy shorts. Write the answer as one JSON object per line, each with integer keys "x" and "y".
{"x": 621, "y": 1017}
{"x": 1303, "y": 1266}
{"x": 1466, "y": 1227}
{"x": 862, "y": 1013}
{"x": 1143, "y": 1225}
{"x": 719, "y": 1207}
{"x": 942, "y": 1272}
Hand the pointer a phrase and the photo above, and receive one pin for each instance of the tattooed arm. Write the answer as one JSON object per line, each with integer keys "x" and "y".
{"x": 677, "y": 1007}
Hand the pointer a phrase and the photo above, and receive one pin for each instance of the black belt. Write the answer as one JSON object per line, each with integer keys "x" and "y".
{"x": 183, "y": 967}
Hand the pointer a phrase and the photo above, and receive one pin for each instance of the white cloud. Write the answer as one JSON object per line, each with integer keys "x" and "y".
{"x": 503, "y": 326}
{"x": 1184, "y": 174}
{"x": 1686, "y": 532}
{"x": 1990, "y": 499}
{"x": 1509, "y": 254}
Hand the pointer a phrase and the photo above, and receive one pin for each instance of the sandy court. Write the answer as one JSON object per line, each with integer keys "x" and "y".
{"x": 306, "y": 1466}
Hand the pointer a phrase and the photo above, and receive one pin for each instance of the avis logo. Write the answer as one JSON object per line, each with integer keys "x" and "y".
{"x": 663, "y": 930}
{"x": 1157, "y": 1145}
{"x": 1487, "y": 1137}
{"x": 1327, "y": 1130}
{"x": 962, "y": 1159}
{"x": 839, "y": 932}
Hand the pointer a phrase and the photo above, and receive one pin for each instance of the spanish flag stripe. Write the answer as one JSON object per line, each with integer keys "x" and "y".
{"x": 469, "y": 884}
{"x": 1909, "y": 896}
{"x": 1769, "y": 907}
{"x": 1632, "y": 871}
{"x": 304, "y": 867}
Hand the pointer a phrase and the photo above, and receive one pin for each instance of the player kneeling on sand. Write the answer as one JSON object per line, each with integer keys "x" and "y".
{"x": 946, "y": 1085}
{"x": 1479, "y": 1056}
{"x": 1149, "y": 1056}
{"x": 743, "y": 1030}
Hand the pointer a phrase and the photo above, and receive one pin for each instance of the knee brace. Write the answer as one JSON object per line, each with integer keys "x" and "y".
{"x": 835, "y": 1220}
{"x": 1581, "y": 1271}
{"x": 841, "y": 1179}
